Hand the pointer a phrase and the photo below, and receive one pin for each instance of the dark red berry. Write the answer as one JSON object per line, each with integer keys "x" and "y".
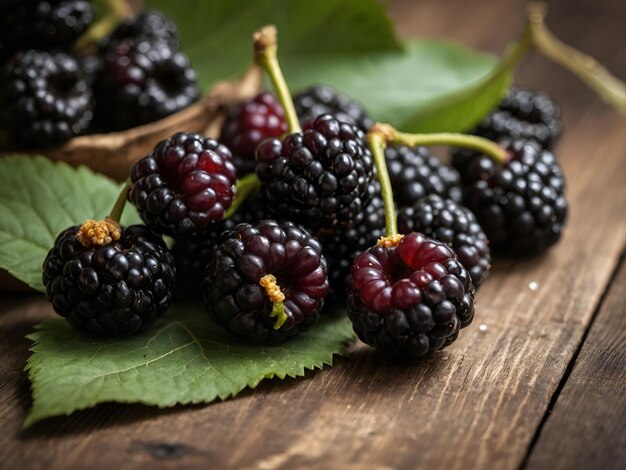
{"x": 318, "y": 178}
{"x": 453, "y": 224}
{"x": 184, "y": 185}
{"x": 141, "y": 83}
{"x": 192, "y": 254}
{"x": 234, "y": 296}
{"x": 249, "y": 123}
{"x": 521, "y": 204}
{"x": 410, "y": 299}
{"x": 113, "y": 290}
{"x": 44, "y": 99}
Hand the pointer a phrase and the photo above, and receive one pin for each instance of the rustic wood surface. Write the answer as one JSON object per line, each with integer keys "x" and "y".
{"x": 591, "y": 408}
{"x": 540, "y": 385}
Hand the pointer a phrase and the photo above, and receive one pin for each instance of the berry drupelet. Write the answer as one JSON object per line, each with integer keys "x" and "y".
{"x": 249, "y": 123}
{"x": 410, "y": 299}
{"x": 341, "y": 247}
{"x": 415, "y": 173}
{"x": 520, "y": 204}
{"x": 150, "y": 26}
{"x": 91, "y": 65}
{"x": 523, "y": 114}
{"x": 42, "y": 24}
{"x": 266, "y": 282}
{"x": 184, "y": 185}
{"x": 323, "y": 99}
{"x": 319, "y": 177}
{"x": 192, "y": 254}
{"x": 453, "y": 224}
{"x": 114, "y": 283}
{"x": 44, "y": 98}
{"x": 141, "y": 83}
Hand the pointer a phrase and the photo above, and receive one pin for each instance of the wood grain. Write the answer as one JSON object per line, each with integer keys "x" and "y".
{"x": 477, "y": 404}
{"x": 585, "y": 430}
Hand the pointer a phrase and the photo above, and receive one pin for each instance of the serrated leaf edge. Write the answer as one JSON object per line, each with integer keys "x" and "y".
{"x": 32, "y": 417}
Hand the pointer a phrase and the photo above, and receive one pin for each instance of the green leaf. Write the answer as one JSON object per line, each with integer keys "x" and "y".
{"x": 422, "y": 86}
{"x": 185, "y": 358}
{"x": 38, "y": 199}
{"x": 432, "y": 86}
{"x": 217, "y": 34}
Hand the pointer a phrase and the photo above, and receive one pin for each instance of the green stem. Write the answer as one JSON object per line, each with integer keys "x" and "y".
{"x": 382, "y": 134}
{"x": 278, "y": 311}
{"x": 473, "y": 142}
{"x": 118, "y": 208}
{"x": 514, "y": 53}
{"x": 117, "y": 10}
{"x": 598, "y": 78}
{"x": 244, "y": 187}
{"x": 265, "y": 49}
{"x": 378, "y": 143}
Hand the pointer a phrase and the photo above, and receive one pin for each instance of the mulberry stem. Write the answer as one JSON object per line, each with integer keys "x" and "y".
{"x": 120, "y": 203}
{"x": 377, "y": 140}
{"x": 117, "y": 10}
{"x": 608, "y": 86}
{"x": 265, "y": 54}
{"x": 486, "y": 146}
{"x": 244, "y": 187}
{"x": 382, "y": 134}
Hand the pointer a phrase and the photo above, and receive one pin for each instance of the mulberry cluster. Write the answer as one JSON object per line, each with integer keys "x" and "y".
{"x": 50, "y": 93}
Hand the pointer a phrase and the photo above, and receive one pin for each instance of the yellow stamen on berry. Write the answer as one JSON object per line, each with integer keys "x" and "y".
{"x": 98, "y": 232}
{"x": 390, "y": 241}
{"x": 268, "y": 282}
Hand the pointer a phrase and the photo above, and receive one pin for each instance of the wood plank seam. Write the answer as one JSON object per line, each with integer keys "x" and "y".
{"x": 572, "y": 363}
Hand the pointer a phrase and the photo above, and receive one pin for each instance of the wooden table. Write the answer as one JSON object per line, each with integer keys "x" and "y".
{"x": 538, "y": 382}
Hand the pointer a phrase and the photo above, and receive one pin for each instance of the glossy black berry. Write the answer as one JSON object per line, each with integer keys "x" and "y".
{"x": 415, "y": 173}
{"x": 91, "y": 66}
{"x": 44, "y": 99}
{"x": 411, "y": 299}
{"x": 523, "y": 114}
{"x": 192, "y": 254}
{"x": 112, "y": 290}
{"x": 453, "y": 224}
{"x": 234, "y": 296}
{"x": 42, "y": 24}
{"x": 520, "y": 204}
{"x": 185, "y": 185}
{"x": 141, "y": 83}
{"x": 318, "y": 178}
{"x": 149, "y": 26}
{"x": 249, "y": 123}
{"x": 323, "y": 99}
{"x": 342, "y": 246}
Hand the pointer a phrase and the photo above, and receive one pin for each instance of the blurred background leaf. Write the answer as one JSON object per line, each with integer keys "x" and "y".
{"x": 417, "y": 86}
